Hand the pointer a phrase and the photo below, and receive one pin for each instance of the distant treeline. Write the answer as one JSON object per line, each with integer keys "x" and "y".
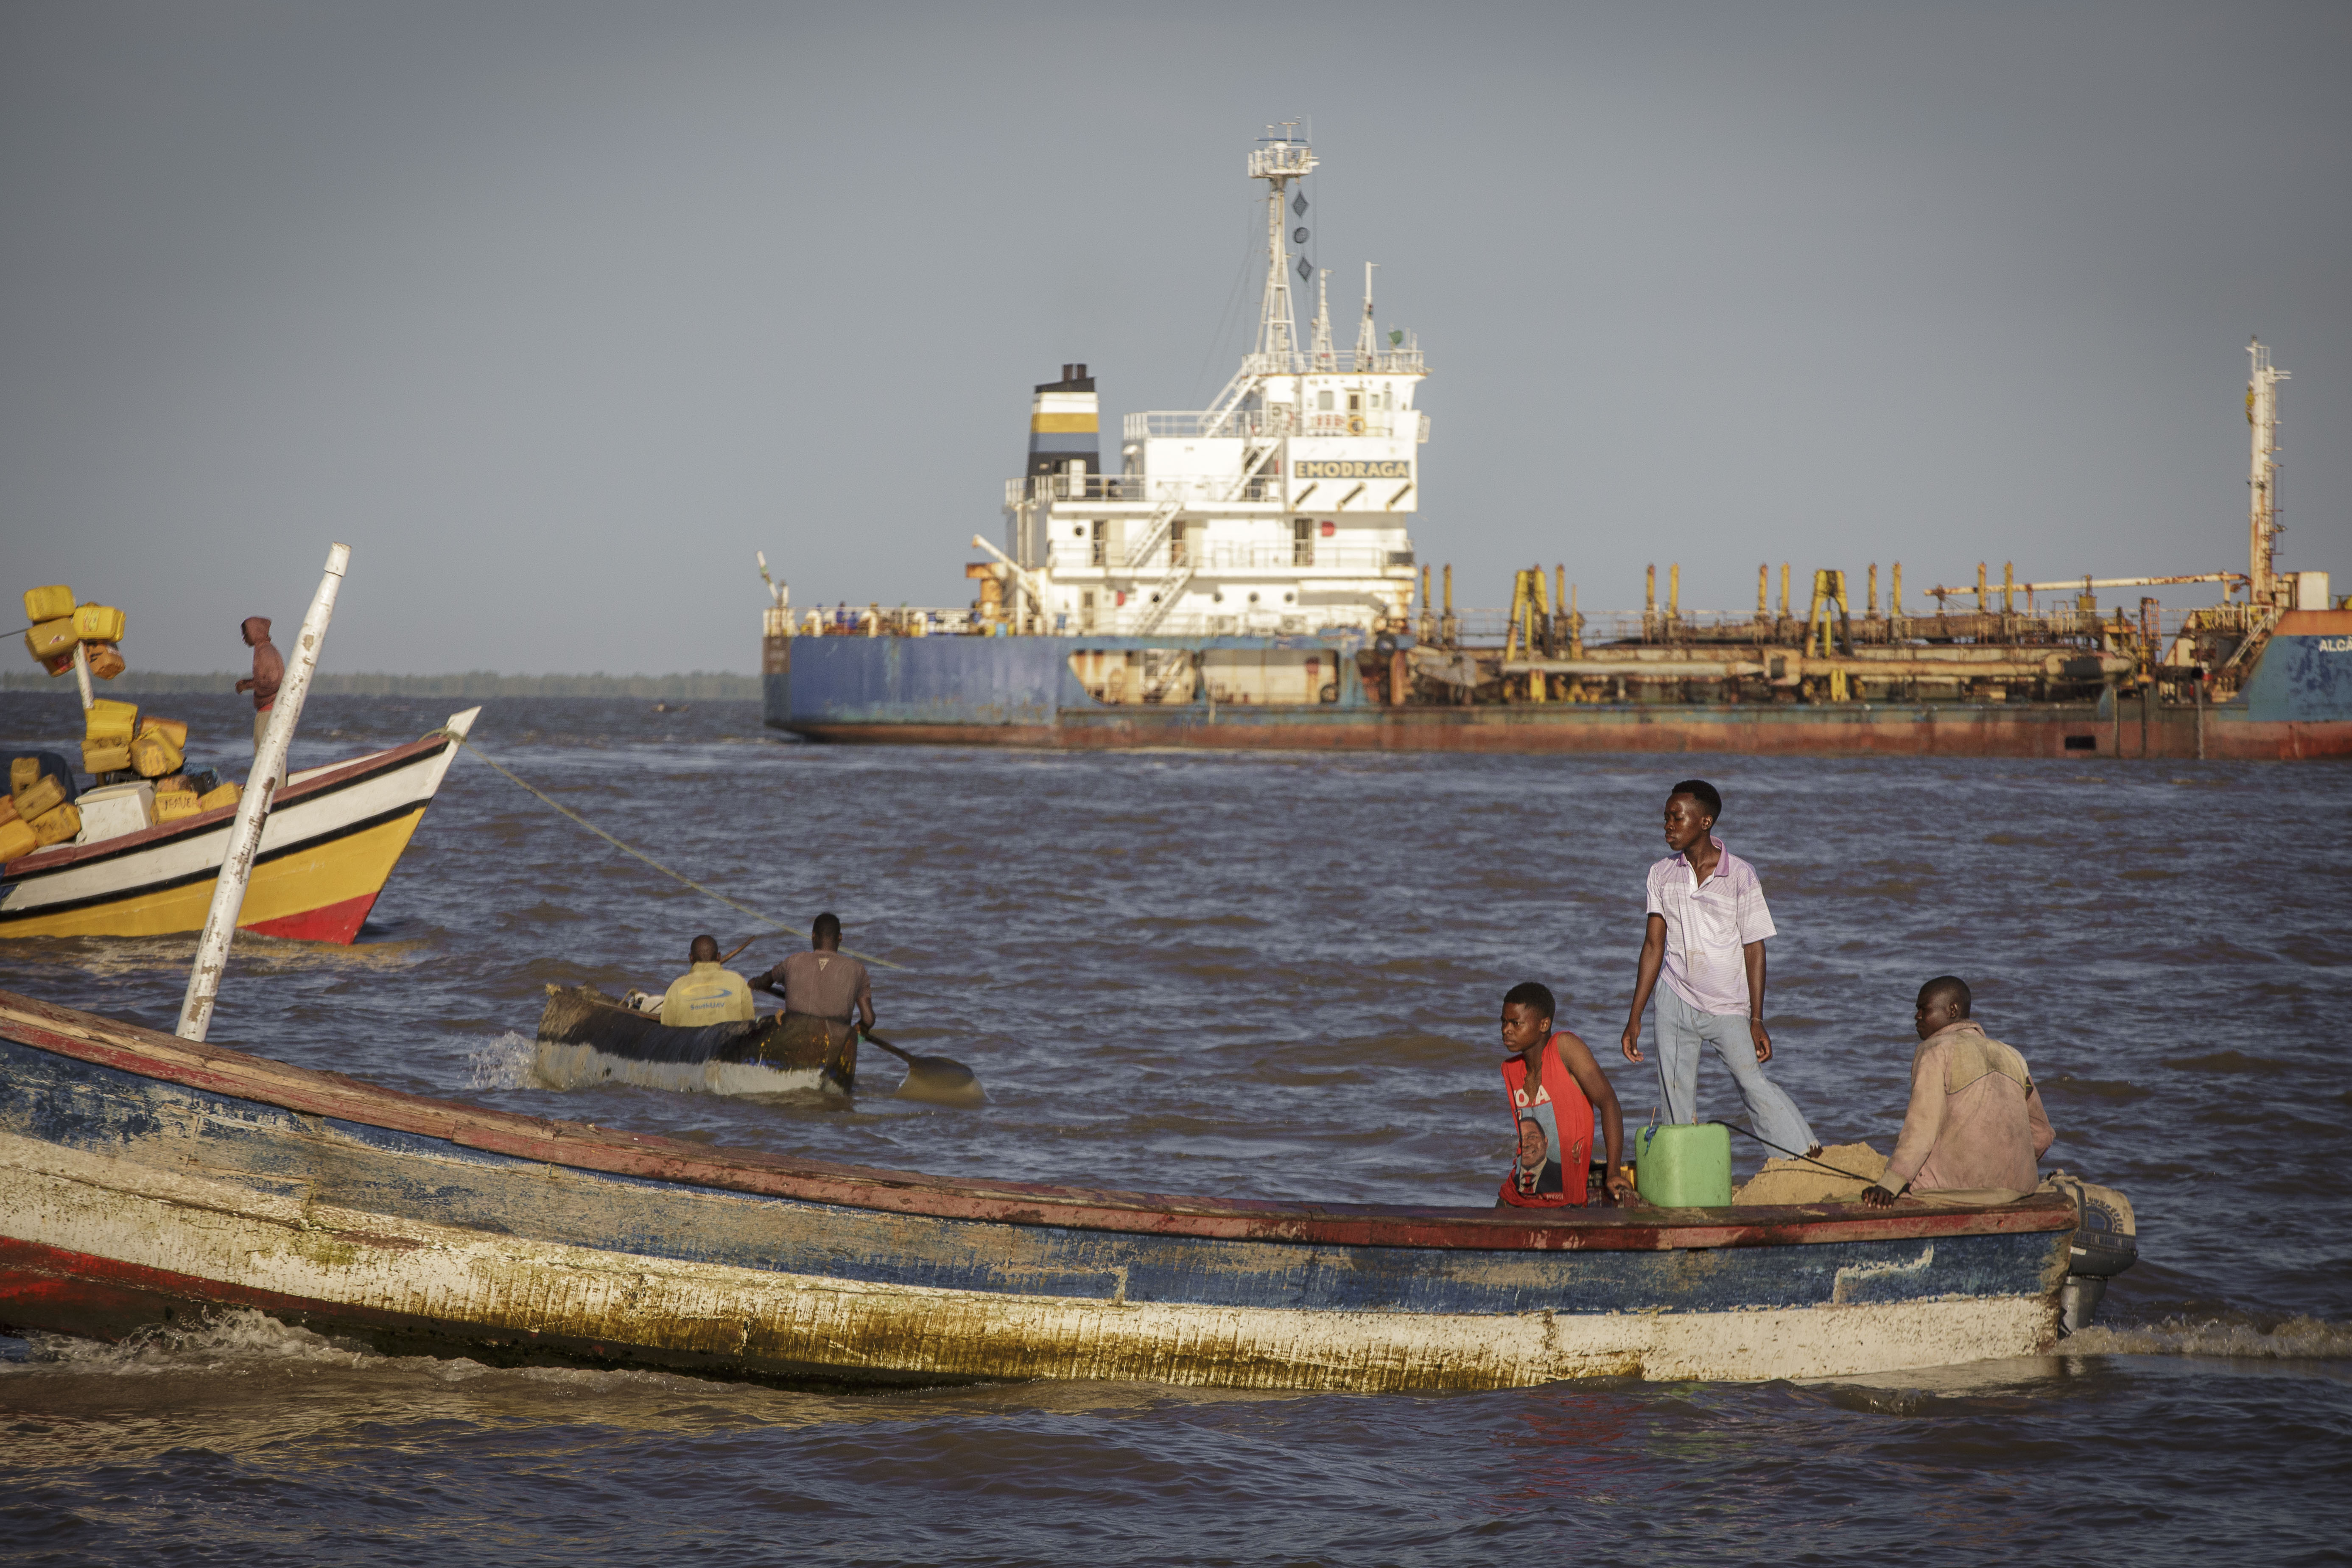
{"x": 701, "y": 686}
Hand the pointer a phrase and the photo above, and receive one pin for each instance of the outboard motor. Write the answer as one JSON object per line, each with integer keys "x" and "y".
{"x": 2104, "y": 1245}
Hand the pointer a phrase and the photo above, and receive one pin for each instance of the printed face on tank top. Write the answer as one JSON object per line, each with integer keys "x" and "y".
{"x": 1535, "y": 1104}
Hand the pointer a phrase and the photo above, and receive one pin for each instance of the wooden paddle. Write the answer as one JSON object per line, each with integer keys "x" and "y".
{"x": 935, "y": 1079}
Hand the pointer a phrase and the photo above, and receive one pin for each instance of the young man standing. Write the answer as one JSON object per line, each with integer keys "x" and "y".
{"x": 1704, "y": 935}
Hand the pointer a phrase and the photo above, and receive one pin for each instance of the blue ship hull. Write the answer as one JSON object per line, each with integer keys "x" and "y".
{"x": 1022, "y": 691}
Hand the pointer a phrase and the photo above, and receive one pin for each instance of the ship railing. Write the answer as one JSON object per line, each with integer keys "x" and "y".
{"x": 1190, "y": 490}
{"x": 2059, "y": 623}
{"x": 1281, "y": 420}
{"x": 875, "y": 620}
{"x": 1300, "y": 556}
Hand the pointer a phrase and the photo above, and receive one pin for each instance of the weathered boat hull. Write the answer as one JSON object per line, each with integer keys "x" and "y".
{"x": 143, "y": 1179}
{"x": 330, "y": 845}
{"x": 586, "y": 1037}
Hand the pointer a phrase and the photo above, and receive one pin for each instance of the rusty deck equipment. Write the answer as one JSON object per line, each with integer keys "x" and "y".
{"x": 148, "y": 1180}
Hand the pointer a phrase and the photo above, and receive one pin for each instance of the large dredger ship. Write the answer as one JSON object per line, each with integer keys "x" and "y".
{"x": 1244, "y": 575}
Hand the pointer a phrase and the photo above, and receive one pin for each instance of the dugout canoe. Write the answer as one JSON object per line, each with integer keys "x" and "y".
{"x": 585, "y": 1036}
{"x": 145, "y": 1180}
{"x": 333, "y": 837}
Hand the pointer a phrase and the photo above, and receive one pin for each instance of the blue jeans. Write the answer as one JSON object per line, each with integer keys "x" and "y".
{"x": 1771, "y": 1114}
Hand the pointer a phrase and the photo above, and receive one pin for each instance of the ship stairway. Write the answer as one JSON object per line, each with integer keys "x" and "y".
{"x": 1240, "y": 487}
{"x": 1157, "y": 529}
{"x": 1161, "y": 597}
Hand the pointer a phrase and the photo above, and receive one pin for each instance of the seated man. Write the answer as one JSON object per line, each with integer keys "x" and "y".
{"x": 706, "y": 993}
{"x": 1976, "y": 1127}
{"x": 1554, "y": 1083}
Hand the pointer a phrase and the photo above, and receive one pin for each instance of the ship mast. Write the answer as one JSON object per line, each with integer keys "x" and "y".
{"x": 2261, "y": 505}
{"x": 1321, "y": 346}
{"x": 1367, "y": 339}
{"x": 1278, "y": 159}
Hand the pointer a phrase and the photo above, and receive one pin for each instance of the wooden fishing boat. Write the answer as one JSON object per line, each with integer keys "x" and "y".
{"x": 585, "y": 1036}
{"x": 331, "y": 839}
{"x": 145, "y": 1179}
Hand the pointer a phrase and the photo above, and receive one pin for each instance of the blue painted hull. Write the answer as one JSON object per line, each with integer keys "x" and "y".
{"x": 1021, "y": 691}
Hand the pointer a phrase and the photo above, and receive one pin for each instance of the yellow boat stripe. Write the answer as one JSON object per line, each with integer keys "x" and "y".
{"x": 1041, "y": 423}
{"x": 311, "y": 877}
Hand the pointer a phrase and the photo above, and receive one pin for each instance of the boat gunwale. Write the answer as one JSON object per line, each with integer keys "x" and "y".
{"x": 338, "y": 777}
{"x": 584, "y": 1146}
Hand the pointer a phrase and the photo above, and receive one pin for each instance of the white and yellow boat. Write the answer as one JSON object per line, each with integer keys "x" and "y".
{"x": 329, "y": 843}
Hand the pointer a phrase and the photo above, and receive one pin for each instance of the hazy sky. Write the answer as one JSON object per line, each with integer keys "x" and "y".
{"x": 555, "y": 312}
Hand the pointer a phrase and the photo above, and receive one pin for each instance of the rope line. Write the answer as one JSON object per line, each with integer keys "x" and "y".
{"x": 1793, "y": 1154}
{"x": 640, "y": 854}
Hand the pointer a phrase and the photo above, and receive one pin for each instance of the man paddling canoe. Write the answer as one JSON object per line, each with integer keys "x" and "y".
{"x": 824, "y": 989}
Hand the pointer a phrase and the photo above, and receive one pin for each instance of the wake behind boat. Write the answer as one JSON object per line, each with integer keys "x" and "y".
{"x": 144, "y": 1178}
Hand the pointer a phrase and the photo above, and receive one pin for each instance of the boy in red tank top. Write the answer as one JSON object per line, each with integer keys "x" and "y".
{"x": 1554, "y": 1086}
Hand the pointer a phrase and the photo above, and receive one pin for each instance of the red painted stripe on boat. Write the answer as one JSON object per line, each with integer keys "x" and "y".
{"x": 583, "y": 1146}
{"x": 337, "y": 923}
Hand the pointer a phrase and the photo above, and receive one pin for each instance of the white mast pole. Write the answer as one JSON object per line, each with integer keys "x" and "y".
{"x": 253, "y": 807}
{"x": 81, "y": 677}
{"x": 1367, "y": 339}
{"x": 1277, "y": 162}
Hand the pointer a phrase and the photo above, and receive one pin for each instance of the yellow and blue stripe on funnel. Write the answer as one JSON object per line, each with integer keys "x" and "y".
{"x": 1064, "y": 424}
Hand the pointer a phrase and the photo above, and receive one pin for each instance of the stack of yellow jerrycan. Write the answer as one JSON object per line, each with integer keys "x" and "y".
{"x": 1677, "y": 1166}
{"x": 60, "y": 625}
{"x": 107, "y": 731}
{"x": 37, "y": 814}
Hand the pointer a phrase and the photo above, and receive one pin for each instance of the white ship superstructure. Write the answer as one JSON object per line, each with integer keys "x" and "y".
{"x": 1282, "y": 508}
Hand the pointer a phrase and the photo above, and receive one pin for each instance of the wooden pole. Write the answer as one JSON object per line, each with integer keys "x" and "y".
{"x": 81, "y": 677}
{"x": 253, "y": 806}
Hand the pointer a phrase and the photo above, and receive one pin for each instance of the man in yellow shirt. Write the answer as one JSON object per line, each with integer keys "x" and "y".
{"x": 706, "y": 993}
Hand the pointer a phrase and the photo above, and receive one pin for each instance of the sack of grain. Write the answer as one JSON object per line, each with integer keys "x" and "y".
{"x": 57, "y": 825}
{"x": 49, "y": 604}
{"x": 97, "y": 623}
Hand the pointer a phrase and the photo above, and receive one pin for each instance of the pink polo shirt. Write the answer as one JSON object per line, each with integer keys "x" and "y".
{"x": 1707, "y": 924}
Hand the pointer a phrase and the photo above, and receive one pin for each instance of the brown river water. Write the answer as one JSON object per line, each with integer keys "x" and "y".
{"x": 1276, "y": 975}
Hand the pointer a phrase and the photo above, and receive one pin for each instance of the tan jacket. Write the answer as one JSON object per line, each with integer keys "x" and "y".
{"x": 1975, "y": 1120}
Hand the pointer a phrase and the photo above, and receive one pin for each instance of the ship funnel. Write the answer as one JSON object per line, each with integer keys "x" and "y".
{"x": 1064, "y": 423}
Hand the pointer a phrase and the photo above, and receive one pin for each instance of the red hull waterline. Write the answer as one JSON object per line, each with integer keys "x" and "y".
{"x": 2169, "y": 734}
{"x": 339, "y": 923}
